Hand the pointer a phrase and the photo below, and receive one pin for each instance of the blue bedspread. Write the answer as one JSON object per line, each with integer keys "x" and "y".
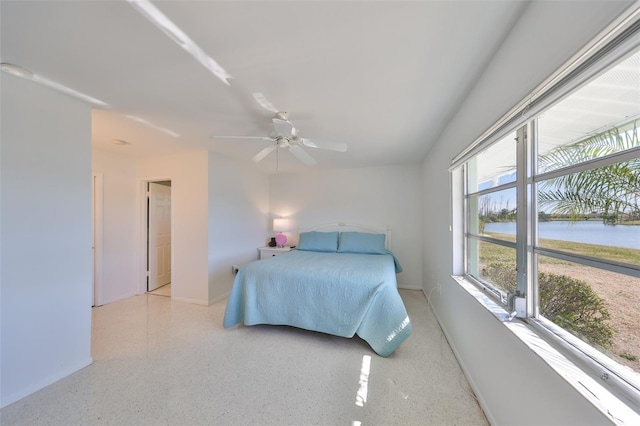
{"x": 337, "y": 293}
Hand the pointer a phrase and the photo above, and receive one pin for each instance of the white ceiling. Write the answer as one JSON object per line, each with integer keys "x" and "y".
{"x": 383, "y": 77}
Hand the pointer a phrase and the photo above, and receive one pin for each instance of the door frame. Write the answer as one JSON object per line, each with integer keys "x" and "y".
{"x": 143, "y": 241}
{"x": 97, "y": 207}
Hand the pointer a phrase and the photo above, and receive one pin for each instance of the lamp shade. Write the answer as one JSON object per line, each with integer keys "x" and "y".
{"x": 280, "y": 225}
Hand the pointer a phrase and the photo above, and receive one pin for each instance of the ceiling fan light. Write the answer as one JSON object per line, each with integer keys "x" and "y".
{"x": 286, "y": 136}
{"x": 282, "y": 115}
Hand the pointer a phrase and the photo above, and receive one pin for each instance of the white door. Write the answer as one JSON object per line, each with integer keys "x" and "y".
{"x": 159, "y": 236}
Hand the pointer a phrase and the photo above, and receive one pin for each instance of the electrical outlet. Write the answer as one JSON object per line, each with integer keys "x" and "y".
{"x": 234, "y": 269}
{"x": 438, "y": 288}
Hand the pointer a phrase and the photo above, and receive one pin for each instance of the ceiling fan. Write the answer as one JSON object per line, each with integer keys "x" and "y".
{"x": 285, "y": 135}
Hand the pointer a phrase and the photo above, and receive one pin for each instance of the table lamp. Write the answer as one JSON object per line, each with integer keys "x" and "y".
{"x": 280, "y": 225}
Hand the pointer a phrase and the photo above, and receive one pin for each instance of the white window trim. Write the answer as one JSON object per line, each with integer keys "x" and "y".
{"x": 614, "y": 403}
{"x": 597, "y": 377}
{"x": 610, "y": 44}
{"x": 610, "y": 386}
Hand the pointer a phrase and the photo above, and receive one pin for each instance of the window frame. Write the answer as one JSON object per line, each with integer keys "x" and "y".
{"x": 619, "y": 381}
{"x": 617, "y": 41}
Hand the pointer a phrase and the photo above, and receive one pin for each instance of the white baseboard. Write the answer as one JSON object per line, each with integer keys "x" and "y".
{"x": 409, "y": 287}
{"x": 465, "y": 371}
{"x": 16, "y": 396}
{"x": 121, "y": 297}
{"x": 187, "y": 300}
{"x": 201, "y": 302}
{"x": 219, "y": 298}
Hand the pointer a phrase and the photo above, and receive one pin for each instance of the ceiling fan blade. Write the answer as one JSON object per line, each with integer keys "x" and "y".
{"x": 259, "y": 156}
{"x": 283, "y": 127}
{"x": 242, "y": 137}
{"x": 332, "y": 146}
{"x": 302, "y": 155}
{"x": 264, "y": 102}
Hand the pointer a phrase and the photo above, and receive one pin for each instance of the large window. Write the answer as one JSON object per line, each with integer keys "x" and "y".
{"x": 552, "y": 216}
{"x": 491, "y": 189}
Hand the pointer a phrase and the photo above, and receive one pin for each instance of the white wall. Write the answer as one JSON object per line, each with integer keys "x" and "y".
{"x": 119, "y": 225}
{"x": 238, "y": 212}
{"x": 219, "y": 209}
{"x": 373, "y": 196}
{"x": 46, "y": 237}
{"x": 513, "y": 384}
{"x": 188, "y": 173}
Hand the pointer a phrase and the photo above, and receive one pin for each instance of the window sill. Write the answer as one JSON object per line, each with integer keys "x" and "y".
{"x": 582, "y": 381}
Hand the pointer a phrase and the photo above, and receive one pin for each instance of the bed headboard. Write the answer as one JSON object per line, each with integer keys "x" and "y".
{"x": 351, "y": 227}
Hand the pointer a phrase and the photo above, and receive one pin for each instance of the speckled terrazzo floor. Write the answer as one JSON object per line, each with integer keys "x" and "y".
{"x": 159, "y": 362}
{"x": 165, "y": 290}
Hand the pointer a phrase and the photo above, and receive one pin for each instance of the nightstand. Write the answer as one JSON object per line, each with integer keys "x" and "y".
{"x": 266, "y": 252}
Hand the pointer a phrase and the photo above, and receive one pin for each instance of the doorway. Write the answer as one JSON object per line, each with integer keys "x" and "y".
{"x": 96, "y": 243}
{"x": 159, "y": 239}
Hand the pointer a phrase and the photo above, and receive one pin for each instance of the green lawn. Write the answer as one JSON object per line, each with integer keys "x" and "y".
{"x": 495, "y": 253}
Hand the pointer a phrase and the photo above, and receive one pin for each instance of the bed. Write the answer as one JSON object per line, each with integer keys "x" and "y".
{"x": 341, "y": 282}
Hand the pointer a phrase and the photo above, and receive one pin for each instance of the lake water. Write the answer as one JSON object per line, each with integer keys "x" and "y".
{"x": 591, "y": 232}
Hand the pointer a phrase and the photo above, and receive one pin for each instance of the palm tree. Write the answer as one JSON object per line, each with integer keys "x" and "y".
{"x": 612, "y": 191}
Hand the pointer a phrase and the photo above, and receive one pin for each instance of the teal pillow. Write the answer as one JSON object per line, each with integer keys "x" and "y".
{"x": 361, "y": 242}
{"x": 318, "y": 241}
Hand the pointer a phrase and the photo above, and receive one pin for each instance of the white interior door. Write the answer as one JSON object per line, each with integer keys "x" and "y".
{"x": 159, "y": 236}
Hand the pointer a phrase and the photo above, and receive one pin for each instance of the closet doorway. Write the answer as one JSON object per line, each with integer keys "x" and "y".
{"x": 159, "y": 237}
